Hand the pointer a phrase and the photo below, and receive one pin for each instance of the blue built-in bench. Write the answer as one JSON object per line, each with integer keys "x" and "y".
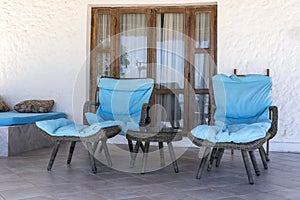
{"x": 18, "y": 132}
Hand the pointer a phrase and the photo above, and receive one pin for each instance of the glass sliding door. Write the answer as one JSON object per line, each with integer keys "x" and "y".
{"x": 203, "y": 51}
{"x": 100, "y": 48}
{"x": 103, "y": 45}
{"x": 202, "y": 62}
{"x": 170, "y": 49}
{"x": 170, "y": 65}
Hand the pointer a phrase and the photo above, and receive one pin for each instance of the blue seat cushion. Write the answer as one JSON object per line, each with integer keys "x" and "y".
{"x": 16, "y": 118}
{"x": 237, "y": 133}
{"x": 65, "y": 127}
{"x": 93, "y": 118}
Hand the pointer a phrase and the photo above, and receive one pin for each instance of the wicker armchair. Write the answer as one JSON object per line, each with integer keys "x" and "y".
{"x": 215, "y": 149}
{"x": 137, "y": 96}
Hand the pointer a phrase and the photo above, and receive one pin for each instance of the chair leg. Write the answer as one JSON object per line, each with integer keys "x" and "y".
{"x": 53, "y": 155}
{"x": 267, "y": 157}
{"x": 72, "y": 147}
{"x": 263, "y": 157}
{"x": 212, "y": 158}
{"x": 254, "y": 163}
{"x": 161, "y": 152}
{"x": 247, "y": 166}
{"x": 145, "y": 157}
{"x": 203, "y": 162}
{"x": 92, "y": 159}
{"x": 136, "y": 150}
{"x": 265, "y": 153}
{"x": 106, "y": 152}
{"x": 268, "y": 149}
{"x": 219, "y": 156}
{"x": 173, "y": 158}
{"x": 98, "y": 147}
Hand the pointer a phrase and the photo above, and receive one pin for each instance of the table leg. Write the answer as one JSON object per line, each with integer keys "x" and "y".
{"x": 173, "y": 158}
{"x": 142, "y": 147}
{"x": 161, "y": 152}
{"x": 145, "y": 156}
{"x": 136, "y": 150}
{"x": 130, "y": 146}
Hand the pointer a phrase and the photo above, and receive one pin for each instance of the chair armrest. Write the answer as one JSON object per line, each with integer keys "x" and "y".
{"x": 87, "y": 108}
{"x": 145, "y": 116}
{"x": 274, "y": 117}
{"x": 88, "y": 104}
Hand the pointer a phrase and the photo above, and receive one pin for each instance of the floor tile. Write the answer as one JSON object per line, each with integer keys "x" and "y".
{"x": 25, "y": 177}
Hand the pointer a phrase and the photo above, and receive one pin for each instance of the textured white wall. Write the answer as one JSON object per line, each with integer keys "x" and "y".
{"x": 43, "y": 46}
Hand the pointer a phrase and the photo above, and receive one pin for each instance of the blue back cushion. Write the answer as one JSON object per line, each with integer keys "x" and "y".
{"x": 243, "y": 99}
{"x": 122, "y": 99}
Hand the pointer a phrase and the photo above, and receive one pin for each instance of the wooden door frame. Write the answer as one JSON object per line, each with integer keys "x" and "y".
{"x": 189, "y": 73}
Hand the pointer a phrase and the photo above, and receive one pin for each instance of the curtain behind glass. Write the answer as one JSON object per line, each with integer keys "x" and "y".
{"x": 103, "y": 31}
{"x": 170, "y": 64}
{"x": 103, "y": 41}
{"x": 133, "y": 45}
{"x": 170, "y": 48}
{"x": 202, "y": 35}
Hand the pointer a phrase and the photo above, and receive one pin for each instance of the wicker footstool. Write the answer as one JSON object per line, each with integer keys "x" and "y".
{"x": 153, "y": 134}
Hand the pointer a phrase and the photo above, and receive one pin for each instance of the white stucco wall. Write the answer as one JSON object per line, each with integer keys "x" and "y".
{"x": 43, "y": 46}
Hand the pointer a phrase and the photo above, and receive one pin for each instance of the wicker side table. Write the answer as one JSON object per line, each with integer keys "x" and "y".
{"x": 153, "y": 134}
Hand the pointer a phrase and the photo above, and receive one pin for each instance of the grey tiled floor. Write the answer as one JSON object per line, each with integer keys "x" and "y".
{"x": 25, "y": 177}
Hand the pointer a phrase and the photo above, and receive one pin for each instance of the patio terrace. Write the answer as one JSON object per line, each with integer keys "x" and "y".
{"x": 25, "y": 177}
